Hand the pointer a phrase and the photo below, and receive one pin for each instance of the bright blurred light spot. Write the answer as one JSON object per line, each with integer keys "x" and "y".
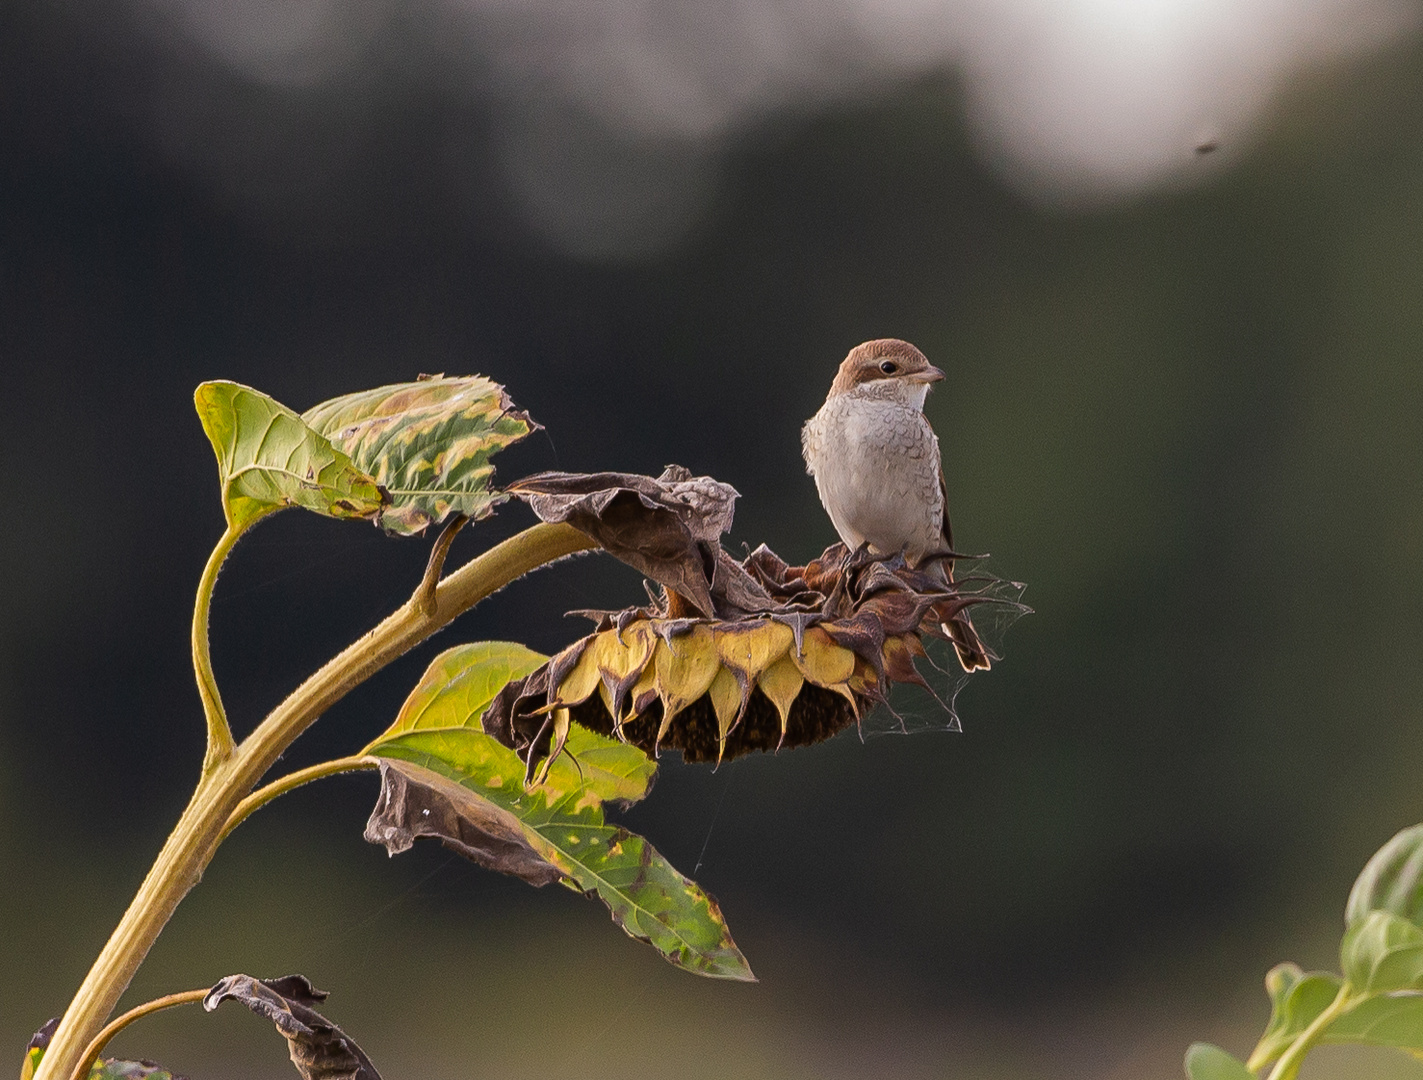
{"x": 1097, "y": 98}
{"x": 282, "y": 42}
{"x": 612, "y": 112}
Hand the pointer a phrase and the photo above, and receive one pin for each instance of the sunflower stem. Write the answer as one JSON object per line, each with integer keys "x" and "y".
{"x": 221, "y": 788}
{"x": 113, "y": 1027}
{"x": 277, "y": 788}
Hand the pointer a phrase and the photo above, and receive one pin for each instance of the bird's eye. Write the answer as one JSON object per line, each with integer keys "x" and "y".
{"x": 889, "y": 367}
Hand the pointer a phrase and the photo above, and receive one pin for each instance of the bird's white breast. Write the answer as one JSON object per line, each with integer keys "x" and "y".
{"x": 876, "y": 467}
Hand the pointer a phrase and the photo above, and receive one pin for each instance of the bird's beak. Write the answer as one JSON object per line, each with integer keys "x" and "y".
{"x": 930, "y": 374}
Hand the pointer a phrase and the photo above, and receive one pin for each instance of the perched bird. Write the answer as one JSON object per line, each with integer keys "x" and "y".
{"x": 876, "y": 464}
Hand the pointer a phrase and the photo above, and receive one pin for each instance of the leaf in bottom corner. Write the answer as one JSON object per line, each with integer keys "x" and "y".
{"x": 319, "y": 1049}
{"x": 109, "y": 1069}
{"x": 112, "y": 1069}
{"x": 466, "y": 789}
{"x": 1207, "y": 1062}
{"x": 34, "y": 1050}
{"x": 1296, "y": 998}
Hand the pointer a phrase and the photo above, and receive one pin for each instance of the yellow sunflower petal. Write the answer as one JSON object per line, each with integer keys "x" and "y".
{"x": 685, "y": 669}
{"x": 781, "y": 682}
{"x": 643, "y": 694}
{"x": 620, "y": 658}
{"x": 865, "y": 680}
{"x": 821, "y": 661}
{"x": 728, "y": 696}
{"x": 579, "y": 684}
{"x": 562, "y": 721}
{"x": 753, "y": 647}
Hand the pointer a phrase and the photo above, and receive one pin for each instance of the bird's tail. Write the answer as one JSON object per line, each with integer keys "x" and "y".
{"x": 972, "y": 654}
{"x": 954, "y": 621}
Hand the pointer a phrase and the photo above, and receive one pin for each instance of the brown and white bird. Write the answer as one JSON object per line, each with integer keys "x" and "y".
{"x": 876, "y": 464}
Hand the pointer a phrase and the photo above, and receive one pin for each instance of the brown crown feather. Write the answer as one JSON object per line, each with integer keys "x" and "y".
{"x": 862, "y": 365}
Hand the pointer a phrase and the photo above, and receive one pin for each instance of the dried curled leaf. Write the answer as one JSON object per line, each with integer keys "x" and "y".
{"x": 820, "y": 650}
{"x": 412, "y": 805}
{"x": 667, "y": 528}
{"x": 427, "y": 444}
{"x": 107, "y": 1069}
{"x": 319, "y": 1049}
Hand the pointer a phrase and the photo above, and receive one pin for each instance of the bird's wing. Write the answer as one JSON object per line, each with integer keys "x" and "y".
{"x": 948, "y": 529}
{"x": 973, "y": 656}
{"x": 809, "y": 438}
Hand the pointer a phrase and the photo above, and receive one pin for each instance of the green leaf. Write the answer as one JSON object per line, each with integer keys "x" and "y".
{"x": 1296, "y": 999}
{"x": 1382, "y": 952}
{"x": 461, "y": 682}
{"x": 1386, "y": 1020}
{"x": 427, "y": 444}
{"x": 458, "y": 686}
{"x": 268, "y": 459}
{"x": 467, "y": 789}
{"x": 1392, "y": 880}
{"x": 1207, "y": 1062}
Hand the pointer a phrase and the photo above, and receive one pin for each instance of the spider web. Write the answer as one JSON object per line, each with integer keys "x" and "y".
{"x": 912, "y": 709}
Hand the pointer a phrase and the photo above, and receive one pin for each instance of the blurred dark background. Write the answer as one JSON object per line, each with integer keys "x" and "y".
{"x": 1183, "y": 406}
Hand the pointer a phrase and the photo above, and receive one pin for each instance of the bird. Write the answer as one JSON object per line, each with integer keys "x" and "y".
{"x": 876, "y": 464}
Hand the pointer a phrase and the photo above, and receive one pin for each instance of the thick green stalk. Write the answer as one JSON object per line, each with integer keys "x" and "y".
{"x": 1287, "y": 1068}
{"x": 220, "y": 791}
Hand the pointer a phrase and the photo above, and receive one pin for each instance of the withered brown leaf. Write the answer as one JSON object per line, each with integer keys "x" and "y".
{"x": 415, "y": 802}
{"x": 319, "y": 1049}
{"x": 666, "y": 527}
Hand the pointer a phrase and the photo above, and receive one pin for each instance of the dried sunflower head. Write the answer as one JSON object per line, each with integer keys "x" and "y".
{"x": 732, "y": 656}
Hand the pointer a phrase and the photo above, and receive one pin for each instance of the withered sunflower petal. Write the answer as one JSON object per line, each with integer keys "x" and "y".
{"x": 781, "y": 683}
{"x": 822, "y": 661}
{"x": 752, "y": 647}
{"x": 685, "y": 668}
{"x": 729, "y": 694}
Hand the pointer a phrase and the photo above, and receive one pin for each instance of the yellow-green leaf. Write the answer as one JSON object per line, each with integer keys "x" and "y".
{"x": 1392, "y": 880}
{"x": 1382, "y": 952}
{"x": 458, "y": 686}
{"x": 427, "y": 444}
{"x": 472, "y": 786}
{"x": 1207, "y": 1062}
{"x": 269, "y": 459}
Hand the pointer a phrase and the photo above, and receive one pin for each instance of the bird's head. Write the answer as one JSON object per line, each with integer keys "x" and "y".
{"x": 886, "y": 369}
